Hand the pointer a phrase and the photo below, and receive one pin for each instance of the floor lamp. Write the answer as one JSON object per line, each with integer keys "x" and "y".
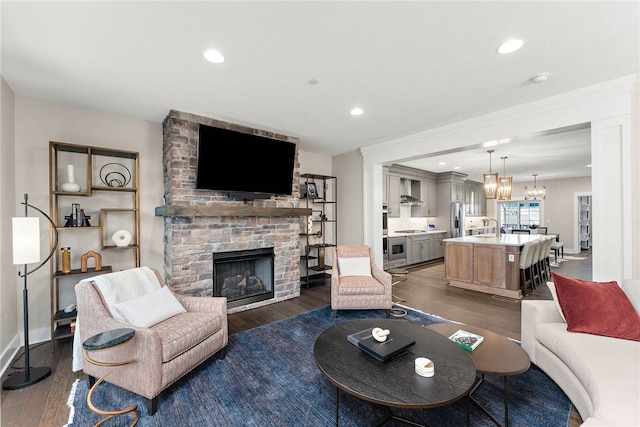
{"x": 26, "y": 250}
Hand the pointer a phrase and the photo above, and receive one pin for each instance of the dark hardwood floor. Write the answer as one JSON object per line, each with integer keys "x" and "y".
{"x": 426, "y": 289}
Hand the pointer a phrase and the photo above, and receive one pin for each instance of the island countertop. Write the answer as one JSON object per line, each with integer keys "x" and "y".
{"x": 502, "y": 240}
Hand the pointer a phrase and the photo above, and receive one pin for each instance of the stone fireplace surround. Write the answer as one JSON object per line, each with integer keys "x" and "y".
{"x": 200, "y": 222}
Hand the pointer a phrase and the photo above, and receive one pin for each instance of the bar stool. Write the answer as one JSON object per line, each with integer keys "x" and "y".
{"x": 526, "y": 256}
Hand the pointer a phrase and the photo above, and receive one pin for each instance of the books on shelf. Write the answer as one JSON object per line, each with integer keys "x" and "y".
{"x": 467, "y": 340}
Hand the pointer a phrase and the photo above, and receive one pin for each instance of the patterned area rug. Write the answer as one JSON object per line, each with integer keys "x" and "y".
{"x": 270, "y": 378}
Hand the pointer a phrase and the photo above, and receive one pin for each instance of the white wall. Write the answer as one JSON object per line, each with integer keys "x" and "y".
{"x": 10, "y": 296}
{"x": 36, "y": 123}
{"x": 559, "y": 206}
{"x": 348, "y": 169}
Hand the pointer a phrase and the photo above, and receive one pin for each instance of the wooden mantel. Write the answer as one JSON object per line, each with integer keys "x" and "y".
{"x": 191, "y": 211}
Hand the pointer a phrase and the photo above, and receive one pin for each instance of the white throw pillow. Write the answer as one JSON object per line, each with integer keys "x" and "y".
{"x": 552, "y": 288}
{"x": 354, "y": 266}
{"x": 150, "y": 309}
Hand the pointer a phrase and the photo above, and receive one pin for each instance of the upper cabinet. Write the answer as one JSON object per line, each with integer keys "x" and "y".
{"x": 474, "y": 199}
{"x": 421, "y": 185}
{"x": 393, "y": 196}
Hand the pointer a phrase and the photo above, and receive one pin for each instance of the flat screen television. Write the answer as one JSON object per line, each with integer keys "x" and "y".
{"x": 246, "y": 166}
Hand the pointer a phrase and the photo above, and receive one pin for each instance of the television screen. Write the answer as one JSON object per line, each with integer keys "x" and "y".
{"x": 238, "y": 162}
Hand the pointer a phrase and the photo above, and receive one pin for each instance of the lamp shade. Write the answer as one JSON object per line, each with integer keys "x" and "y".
{"x": 26, "y": 240}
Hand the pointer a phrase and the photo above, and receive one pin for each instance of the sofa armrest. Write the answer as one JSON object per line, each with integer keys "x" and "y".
{"x": 216, "y": 305}
{"x": 380, "y": 275}
{"x": 533, "y": 313}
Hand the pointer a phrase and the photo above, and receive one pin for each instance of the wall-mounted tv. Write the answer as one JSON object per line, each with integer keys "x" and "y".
{"x": 246, "y": 166}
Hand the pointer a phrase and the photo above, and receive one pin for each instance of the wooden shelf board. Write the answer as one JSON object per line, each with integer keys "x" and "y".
{"x": 195, "y": 211}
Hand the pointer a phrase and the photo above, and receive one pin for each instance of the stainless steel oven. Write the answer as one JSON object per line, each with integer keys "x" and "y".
{"x": 384, "y": 220}
{"x": 397, "y": 251}
{"x": 385, "y": 252}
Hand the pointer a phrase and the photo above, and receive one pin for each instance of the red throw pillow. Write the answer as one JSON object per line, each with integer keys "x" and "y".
{"x": 598, "y": 308}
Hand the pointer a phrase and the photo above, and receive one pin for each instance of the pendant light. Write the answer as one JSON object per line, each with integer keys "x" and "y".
{"x": 535, "y": 192}
{"x": 504, "y": 182}
{"x": 490, "y": 181}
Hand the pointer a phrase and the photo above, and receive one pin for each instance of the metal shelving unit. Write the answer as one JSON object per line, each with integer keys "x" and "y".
{"x": 320, "y": 230}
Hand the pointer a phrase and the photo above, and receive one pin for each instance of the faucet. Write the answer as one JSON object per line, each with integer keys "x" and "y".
{"x": 497, "y": 227}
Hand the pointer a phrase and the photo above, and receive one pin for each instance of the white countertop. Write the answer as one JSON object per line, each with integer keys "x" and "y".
{"x": 503, "y": 240}
{"x": 396, "y": 234}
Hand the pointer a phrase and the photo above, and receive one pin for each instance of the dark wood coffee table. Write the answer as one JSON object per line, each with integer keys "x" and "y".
{"x": 496, "y": 355}
{"x": 395, "y": 384}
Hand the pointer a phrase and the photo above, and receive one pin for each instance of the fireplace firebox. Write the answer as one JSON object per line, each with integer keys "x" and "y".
{"x": 244, "y": 277}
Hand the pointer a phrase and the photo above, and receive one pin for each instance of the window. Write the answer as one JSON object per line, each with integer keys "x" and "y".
{"x": 519, "y": 215}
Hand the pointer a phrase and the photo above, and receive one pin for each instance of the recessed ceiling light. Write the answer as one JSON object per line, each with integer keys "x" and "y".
{"x": 510, "y": 46}
{"x": 540, "y": 78}
{"x": 214, "y": 56}
{"x": 442, "y": 163}
{"x": 357, "y": 111}
{"x": 457, "y": 167}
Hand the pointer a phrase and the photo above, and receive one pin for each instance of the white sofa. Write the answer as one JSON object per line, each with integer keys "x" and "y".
{"x": 600, "y": 375}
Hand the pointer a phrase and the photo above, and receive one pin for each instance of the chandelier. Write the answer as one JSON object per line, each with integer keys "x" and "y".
{"x": 535, "y": 192}
{"x": 504, "y": 182}
{"x": 490, "y": 181}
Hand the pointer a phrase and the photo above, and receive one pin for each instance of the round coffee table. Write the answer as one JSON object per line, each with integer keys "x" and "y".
{"x": 394, "y": 384}
{"x": 496, "y": 355}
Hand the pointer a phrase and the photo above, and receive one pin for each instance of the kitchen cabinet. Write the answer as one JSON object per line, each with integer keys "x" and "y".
{"x": 457, "y": 192}
{"x": 474, "y": 198}
{"x": 437, "y": 245}
{"x": 427, "y": 193}
{"x": 393, "y": 196}
{"x": 419, "y": 249}
{"x": 385, "y": 187}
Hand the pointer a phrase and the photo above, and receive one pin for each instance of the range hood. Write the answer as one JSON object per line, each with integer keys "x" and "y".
{"x": 410, "y": 200}
{"x": 406, "y": 198}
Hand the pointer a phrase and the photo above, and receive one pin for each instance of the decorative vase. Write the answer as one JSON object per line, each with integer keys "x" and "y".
{"x": 71, "y": 185}
{"x": 121, "y": 238}
{"x": 321, "y": 258}
{"x": 66, "y": 260}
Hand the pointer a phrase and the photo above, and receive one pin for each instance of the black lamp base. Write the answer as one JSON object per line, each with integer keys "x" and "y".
{"x": 22, "y": 379}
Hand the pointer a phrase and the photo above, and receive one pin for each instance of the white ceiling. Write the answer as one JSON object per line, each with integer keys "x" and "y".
{"x": 410, "y": 65}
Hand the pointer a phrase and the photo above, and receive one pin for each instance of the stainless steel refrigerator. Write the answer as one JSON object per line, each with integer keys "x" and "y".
{"x": 457, "y": 219}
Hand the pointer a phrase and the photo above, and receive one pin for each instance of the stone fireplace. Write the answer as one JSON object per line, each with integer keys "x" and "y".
{"x": 201, "y": 223}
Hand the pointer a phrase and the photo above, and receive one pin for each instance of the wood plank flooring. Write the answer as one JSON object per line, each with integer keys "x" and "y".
{"x": 45, "y": 404}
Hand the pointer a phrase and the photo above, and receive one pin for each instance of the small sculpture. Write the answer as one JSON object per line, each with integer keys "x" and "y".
{"x": 85, "y": 258}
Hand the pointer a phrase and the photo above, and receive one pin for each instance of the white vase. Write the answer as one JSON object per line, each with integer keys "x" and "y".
{"x": 121, "y": 238}
{"x": 71, "y": 185}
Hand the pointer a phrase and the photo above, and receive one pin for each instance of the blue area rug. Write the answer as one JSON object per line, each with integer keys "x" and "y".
{"x": 270, "y": 378}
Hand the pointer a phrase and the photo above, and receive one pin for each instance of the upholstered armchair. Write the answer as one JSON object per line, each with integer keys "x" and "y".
{"x": 357, "y": 282}
{"x": 164, "y": 351}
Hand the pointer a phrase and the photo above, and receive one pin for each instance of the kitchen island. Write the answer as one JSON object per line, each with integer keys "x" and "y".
{"x": 487, "y": 263}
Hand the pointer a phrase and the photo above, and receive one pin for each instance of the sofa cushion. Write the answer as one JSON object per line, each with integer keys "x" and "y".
{"x": 599, "y": 308}
{"x": 181, "y": 333}
{"x": 359, "y": 266}
{"x": 360, "y": 285}
{"x": 151, "y": 308}
{"x": 606, "y": 367}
